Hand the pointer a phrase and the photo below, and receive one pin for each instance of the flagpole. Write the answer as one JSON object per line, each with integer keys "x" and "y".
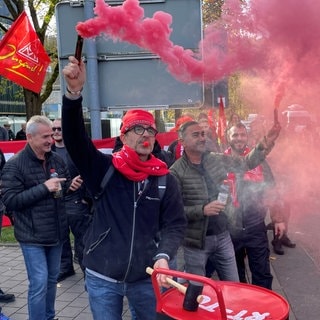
{"x": 93, "y": 85}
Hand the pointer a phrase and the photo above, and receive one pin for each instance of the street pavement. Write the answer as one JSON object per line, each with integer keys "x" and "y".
{"x": 296, "y": 278}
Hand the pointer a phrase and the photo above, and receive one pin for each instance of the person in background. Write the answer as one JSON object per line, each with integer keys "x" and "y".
{"x": 4, "y": 136}
{"x": 122, "y": 239}
{"x": 4, "y": 297}
{"x": 257, "y": 131}
{"x": 212, "y": 144}
{"x": 11, "y": 135}
{"x": 200, "y": 176}
{"x": 253, "y": 194}
{"x": 38, "y": 205}
{"x": 175, "y": 146}
{"x": 77, "y": 208}
{"x": 233, "y": 119}
{"x": 21, "y": 134}
{"x": 277, "y": 241}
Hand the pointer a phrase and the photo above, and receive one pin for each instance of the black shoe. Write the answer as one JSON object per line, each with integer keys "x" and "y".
{"x": 287, "y": 242}
{"x": 277, "y": 247}
{"x": 6, "y": 297}
{"x": 64, "y": 275}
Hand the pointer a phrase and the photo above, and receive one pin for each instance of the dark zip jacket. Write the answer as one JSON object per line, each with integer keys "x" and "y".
{"x": 123, "y": 237}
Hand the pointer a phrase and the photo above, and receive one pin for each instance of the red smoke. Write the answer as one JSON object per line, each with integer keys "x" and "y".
{"x": 278, "y": 39}
{"x": 127, "y": 23}
{"x": 274, "y": 43}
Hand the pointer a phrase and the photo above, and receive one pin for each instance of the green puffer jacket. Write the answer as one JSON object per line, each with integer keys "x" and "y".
{"x": 194, "y": 181}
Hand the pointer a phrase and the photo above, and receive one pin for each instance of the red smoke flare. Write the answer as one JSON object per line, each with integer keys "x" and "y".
{"x": 263, "y": 38}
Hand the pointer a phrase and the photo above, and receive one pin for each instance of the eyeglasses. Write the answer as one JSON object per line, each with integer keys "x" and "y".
{"x": 56, "y": 128}
{"x": 139, "y": 130}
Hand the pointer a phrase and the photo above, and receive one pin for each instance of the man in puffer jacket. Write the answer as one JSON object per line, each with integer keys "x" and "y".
{"x": 40, "y": 224}
{"x": 201, "y": 175}
{"x": 123, "y": 238}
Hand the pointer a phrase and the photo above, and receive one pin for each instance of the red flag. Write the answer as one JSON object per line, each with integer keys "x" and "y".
{"x": 222, "y": 123}
{"x": 23, "y": 59}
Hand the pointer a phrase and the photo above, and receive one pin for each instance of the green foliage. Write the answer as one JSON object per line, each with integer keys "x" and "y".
{"x": 41, "y": 13}
{"x": 7, "y": 235}
{"x": 211, "y": 11}
{"x": 10, "y": 90}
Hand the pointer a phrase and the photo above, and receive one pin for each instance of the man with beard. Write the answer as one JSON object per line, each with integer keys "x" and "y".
{"x": 252, "y": 195}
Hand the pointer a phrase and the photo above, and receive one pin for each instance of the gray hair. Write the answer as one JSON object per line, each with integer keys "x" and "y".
{"x": 35, "y": 121}
{"x": 184, "y": 127}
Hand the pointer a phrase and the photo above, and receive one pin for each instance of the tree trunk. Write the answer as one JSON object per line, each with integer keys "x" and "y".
{"x": 33, "y": 103}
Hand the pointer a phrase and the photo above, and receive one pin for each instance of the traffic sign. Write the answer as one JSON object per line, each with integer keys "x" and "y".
{"x": 127, "y": 74}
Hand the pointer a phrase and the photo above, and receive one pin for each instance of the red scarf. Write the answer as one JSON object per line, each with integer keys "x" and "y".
{"x": 254, "y": 175}
{"x": 179, "y": 150}
{"x": 129, "y": 164}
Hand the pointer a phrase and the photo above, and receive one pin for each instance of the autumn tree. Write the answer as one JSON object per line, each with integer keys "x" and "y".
{"x": 41, "y": 13}
{"x": 211, "y": 10}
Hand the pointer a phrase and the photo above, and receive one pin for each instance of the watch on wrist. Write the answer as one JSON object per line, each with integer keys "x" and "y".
{"x": 74, "y": 93}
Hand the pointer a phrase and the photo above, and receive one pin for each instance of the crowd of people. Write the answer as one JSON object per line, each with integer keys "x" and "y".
{"x": 6, "y": 133}
{"x": 136, "y": 207}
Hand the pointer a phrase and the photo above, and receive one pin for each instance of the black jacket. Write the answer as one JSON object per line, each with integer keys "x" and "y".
{"x": 39, "y": 218}
{"x": 122, "y": 239}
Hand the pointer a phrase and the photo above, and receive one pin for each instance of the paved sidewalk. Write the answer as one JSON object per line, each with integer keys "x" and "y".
{"x": 295, "y": 277}
{"x": 71, "y": 303}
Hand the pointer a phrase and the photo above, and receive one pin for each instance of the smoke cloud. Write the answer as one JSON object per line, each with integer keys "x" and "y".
{"x": 274, "y": 44}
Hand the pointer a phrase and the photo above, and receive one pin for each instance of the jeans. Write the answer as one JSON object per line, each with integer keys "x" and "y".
{"x": 43, "y": 266}
{"x": 219, "y": 249}
{"x": 106, "y": 298}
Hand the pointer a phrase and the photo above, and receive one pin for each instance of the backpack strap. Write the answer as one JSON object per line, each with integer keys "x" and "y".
{"x": 105, "y": 181}
{"x": 162, "y": 185}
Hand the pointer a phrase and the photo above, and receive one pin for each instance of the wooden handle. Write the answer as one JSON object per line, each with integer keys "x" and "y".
{"x": 176, "y": 284}
{"x": 173, "y": 283}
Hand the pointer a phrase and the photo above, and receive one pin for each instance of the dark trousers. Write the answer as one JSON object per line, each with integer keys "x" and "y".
{"x": 255, "y": 243}
{"x": 78, "y": 224}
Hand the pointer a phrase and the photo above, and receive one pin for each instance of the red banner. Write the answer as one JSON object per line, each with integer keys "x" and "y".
{"x": 23, "y": 59}
{"x": 9, "y": 148}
